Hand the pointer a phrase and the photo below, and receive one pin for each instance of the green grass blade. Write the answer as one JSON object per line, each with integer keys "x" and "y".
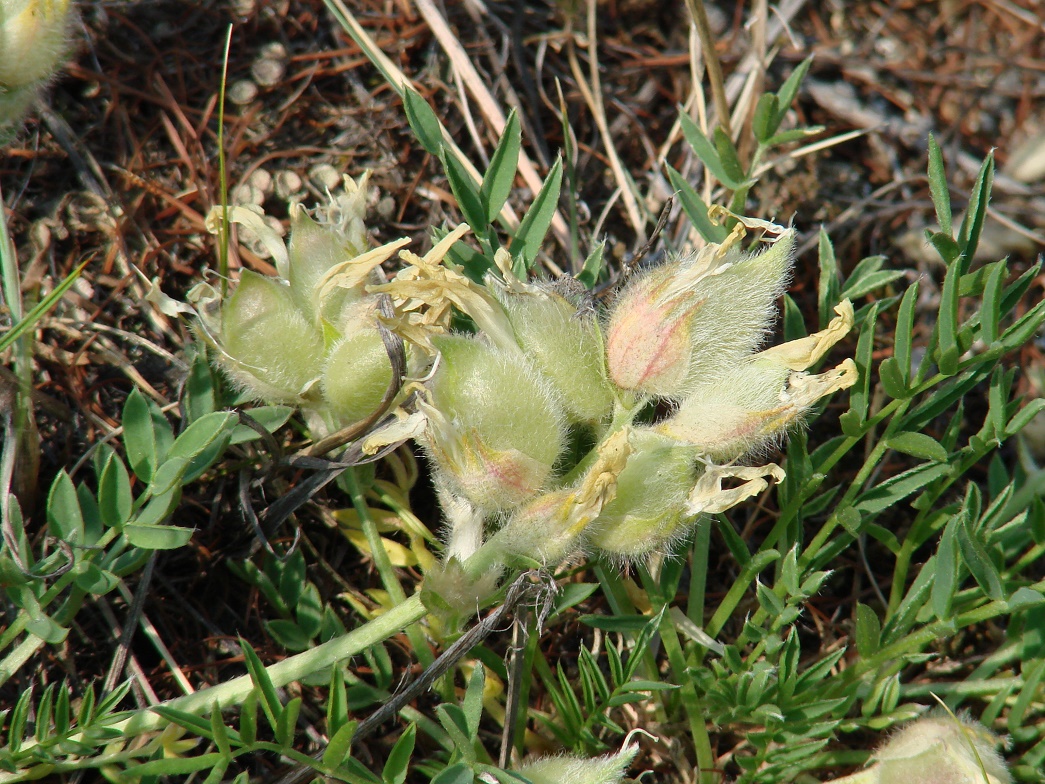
{"x": 47, "y": 303}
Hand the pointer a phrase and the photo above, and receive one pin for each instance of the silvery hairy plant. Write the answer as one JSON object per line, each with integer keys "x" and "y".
{"x": 500, "y": 410}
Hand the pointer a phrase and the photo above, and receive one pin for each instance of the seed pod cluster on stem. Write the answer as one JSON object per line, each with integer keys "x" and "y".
{"x": 538, "y": 425}
{"x": 551, "y": 428}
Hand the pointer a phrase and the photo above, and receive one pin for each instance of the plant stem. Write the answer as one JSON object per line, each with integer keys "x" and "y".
{"x": 384, "y": 565}
{"x": 291, "y": 669}
{"x": 690, "y": 700}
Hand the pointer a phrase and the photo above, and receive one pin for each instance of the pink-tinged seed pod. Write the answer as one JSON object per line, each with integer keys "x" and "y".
{"x": 266, "y": 345}
{"x": 648, "y": 346}
{"x": 693, "y": 318}
{"x": 495, "y": 429}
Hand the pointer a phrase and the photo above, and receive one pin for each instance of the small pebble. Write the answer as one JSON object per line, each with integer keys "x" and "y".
{"x": 254, "y": 243}
{"x": 247, "y": 194}
{"x": 242, "y": 92}
{"x": 288, "y": 185}
{"x": 324, "y": 176}
{"x": 244, "y": 9}
{"x": 267, "y": 73}
{"x": 273, "y": 50}
{"x": 262, "y": 180}
{"x": 386, "y": 208}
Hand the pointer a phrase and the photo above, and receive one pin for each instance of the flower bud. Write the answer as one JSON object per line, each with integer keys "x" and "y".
{"x": 936, "y": 749}
{"x": 267, "y": 346}
{"x": 565, "y": 347}
{"x": 356, "y": 375}
{"x": 495, "y": 429}
{"x": 649, "y": 508}
{"x": 750, "y": 408}
{"x": 693, "y": 318}
{"x": 33, "y": 40}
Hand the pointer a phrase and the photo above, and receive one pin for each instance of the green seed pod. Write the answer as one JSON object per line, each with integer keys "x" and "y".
{"x": 568, "y": 769}
{"x": 314, "y": 249}
{"x": 565, "y": 347}
{"x": 495, "y": 429}
{"x": 649, "y": 508}
{"x": 267, "y": 346}
{"x": 356, "y": 376}
{"x": 936, "y": 749}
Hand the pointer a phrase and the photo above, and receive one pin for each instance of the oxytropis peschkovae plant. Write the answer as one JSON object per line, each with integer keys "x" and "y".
{"x": 543, "y": 424}
{"x": 557, "y": 425}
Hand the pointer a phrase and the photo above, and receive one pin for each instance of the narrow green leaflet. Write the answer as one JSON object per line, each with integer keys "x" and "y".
{"x": 945, "y": 582}
{"x": 340, "y": 746}
{"x": 896, "y": 488}
{"x": 466, "y": 192}
{"x": 423, "y": 122}
{"x": 157, "y": 537}
{"x": 29, "y": 320}
{"x": 695, "y": 208}
{"x": 868, "y": 630}
{"x": 64, "y": 517}
{"x": 976, "y": 215}
{"x": 538, "y": 218}
{"x": 947, "y": 350}
{"x": 271, "y": 418}
{"x": 115, "y": 498}
{"x": 938, "y": 187}
{"x": 259, "y": 675}
{"x": 287, "y": 723}
{"x": 727, "y": 153}
{"x": 706, "y": 152}
{"x": 990, "y": 312}
{"x": 828, "y": 287}
{"x": 199, "y": 397}
{"x": 767, "y": 116}
{"x": 789, "y": 89}
{"x": 860, "y": 394}
{"x": 589, "y": 274}
{"x": 918, "y": 445}
{"x": 905, "y": 331}
{"x": 500, "y": 175}
{"x": 473, "y": 699}
{"x": 977, "y": 560}
{"x": 146, "y": 435}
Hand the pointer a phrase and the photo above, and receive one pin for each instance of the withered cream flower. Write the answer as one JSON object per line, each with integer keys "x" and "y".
{"x": 425, "y": 292}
